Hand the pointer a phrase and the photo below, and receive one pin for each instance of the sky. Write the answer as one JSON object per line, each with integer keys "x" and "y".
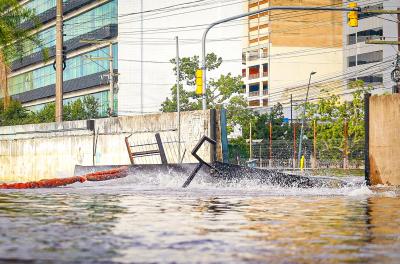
{"x": 160, "y": 29}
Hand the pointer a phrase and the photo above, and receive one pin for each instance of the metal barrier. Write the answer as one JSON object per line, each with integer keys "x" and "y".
{"x": 201, "y": 161}
{"x": 160, "y": 151}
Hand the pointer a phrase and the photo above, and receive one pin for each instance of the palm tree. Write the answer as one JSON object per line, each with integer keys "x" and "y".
{"x": 13, "y": 38}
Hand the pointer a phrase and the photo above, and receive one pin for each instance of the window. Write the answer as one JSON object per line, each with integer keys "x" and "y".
{"x": 243, "y": 73}
{"x": 244, "y": 58}
{"x": 94, "y": 19}
{"x": 370, "y": 57}
{"x": 77, "y": 67}
{"x": 372, "y": 7}
{"x": 101, "y": 97}
{"x": 351, "y": 39}
{"x": 372, "y": 79}
{"x": 41, "y": 6}
{"x": 254, "y": 55}
{"x": 351, "y": 61}
{"x": 362, "y": 36}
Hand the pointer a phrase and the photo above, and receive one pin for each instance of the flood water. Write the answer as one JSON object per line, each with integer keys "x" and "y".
{"x": 122, "y": 221}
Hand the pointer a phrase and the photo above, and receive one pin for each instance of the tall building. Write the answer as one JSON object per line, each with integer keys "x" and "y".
{"x": 32, "y": 80}
{"x": 370, "y": 62}
{"x": 143, "y": 36}
{"x": 282, "y": 48}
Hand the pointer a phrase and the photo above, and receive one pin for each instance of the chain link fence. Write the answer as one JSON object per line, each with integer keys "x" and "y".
{"x": 283, "y": 154}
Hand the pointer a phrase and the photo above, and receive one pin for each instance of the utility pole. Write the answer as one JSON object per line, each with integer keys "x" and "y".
{"x": 294, "y": 145}
{"x": 4, "y": 71}
{"x": 111, "y": 78}
{"x": 59, "y": 61}
{"x": 270, "y": 143}
{"x": 111, "y": 74}
{"x": 178, "y": 97}
{"x": 251, "y": 143}
{"x": 345, "y": 147}
{"x": 304, "y": 116}
{"x": 291, "y": 111}
{"x": 315, "y": 144}
{"x": 141, "y": 56}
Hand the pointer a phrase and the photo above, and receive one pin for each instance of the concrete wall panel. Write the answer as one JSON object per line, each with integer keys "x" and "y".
{"x": 34, "y": 152}
{"x": 384, "y": 139}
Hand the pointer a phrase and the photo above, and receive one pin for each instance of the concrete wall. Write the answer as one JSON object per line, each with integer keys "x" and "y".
{"x": 34, "y": 152}
{"x": 384, "y": 139}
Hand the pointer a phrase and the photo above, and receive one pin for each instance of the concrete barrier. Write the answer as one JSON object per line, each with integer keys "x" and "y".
{"x": 384, "y": 139}
{"x": 40, "y": 151}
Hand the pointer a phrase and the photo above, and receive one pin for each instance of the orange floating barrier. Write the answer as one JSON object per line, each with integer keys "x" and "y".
{"x": 53, "y": 183}
{"x": 108, "y": 175}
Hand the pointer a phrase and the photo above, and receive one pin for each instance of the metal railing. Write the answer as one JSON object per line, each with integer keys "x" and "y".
{"x": 254, "y": 76}
{"x": 254, "y": 94}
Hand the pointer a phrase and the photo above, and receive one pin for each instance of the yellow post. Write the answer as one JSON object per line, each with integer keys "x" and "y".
{"x": 199, "y": 82}
{"x": 302, "y": 163}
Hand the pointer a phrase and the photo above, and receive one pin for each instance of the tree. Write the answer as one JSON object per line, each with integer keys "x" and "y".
{"x": 219, "y": 90}
{"x": 14, "y": 39}
{"x": 16, "y": 114}
{"x": 280, "y": 129}
{"x": 224, "y": 91}
{"x": 331, "y": 113}
{"x": 81, "y": 109}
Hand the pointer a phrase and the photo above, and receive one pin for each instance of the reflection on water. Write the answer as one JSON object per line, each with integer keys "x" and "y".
{"x": 91, "y": 225}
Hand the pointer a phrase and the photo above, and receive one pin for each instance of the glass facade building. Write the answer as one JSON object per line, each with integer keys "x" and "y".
{"x": 96, "y": 18}
{"x": 89, "y": 77}
{"x": 77, "y": 67}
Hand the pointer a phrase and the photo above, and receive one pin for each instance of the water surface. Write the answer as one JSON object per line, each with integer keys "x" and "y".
{"x": 158, "y": 222}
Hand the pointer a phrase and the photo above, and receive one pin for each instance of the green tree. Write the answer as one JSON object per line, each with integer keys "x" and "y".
{"x": 15, "y": 114}
{"x": 219, "y": 90}
{"x": 14, "y": 39}
{"x": 47, "y": 114}
{"x": 81, "y": 109}
{"x": 224, "y": 91}
{"x": 331, "y": 113}
{"x": 280, "y": 129}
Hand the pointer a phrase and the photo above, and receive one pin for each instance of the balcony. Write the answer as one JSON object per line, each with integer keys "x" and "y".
{"x": 254, "y": 94}
{"x": 254, "y": 76}
{"x": 254, "y": 103}
{"x": 265, "y": 92}
{"x": 254, "y": 72}
{"x": 253, "y": 57}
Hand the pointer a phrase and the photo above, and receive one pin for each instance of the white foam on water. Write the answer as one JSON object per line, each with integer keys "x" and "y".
{"x": 363, "y": 191}
{"x": 172, "y": 182}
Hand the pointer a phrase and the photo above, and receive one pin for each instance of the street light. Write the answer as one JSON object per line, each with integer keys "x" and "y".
{"x": 304, "y": 116}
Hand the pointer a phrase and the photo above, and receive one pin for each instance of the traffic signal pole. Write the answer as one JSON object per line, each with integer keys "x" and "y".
{"x": 297, "y": 8}
{"x": 59, "y": 61}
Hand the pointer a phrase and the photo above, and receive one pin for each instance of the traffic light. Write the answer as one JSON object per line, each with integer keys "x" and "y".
{"x": 352, "y": 16}
{"x": 199, "y": 82}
